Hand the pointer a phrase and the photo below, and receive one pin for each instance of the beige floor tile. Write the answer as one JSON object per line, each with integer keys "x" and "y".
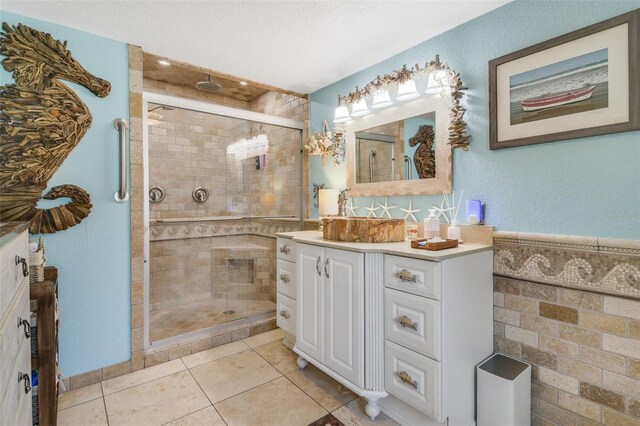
{"x": 118, "y": 384}
{"x": 90, "y": 413}
{"x": 326, "y": 391}
{"x": 278, "y": 355}
{"x": 353, "y": 414}
{"x": 232, "y": 375}
{"x": 263, "y": 338}
{"x": 156, "y": 402}
{"x": 214, "y": 353}
{"x": 78, "y": 396}
{"x": 207, "y": 417}
{"x": 278, "y": 402}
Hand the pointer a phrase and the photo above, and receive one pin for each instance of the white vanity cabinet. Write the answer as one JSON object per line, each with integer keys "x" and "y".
{"x": 330, "y": 306}
{"x": 15, "y": 342}
{"x": 286, "y": 286}
{"x": 402, "y": 328}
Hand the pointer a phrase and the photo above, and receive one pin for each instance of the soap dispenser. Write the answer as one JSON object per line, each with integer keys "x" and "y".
{"x": 432, "y": 225}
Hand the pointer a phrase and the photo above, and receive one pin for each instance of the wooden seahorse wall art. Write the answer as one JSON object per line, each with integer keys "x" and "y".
{"x": 41, "y": 121}
{"x": 425, "y": 157}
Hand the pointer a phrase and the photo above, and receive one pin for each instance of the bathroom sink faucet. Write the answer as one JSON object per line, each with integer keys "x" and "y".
{"x": 342, "y": 202}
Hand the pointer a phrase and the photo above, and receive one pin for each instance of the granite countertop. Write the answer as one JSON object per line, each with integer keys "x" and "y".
{"x": 399, "y": 249}
{"x": 9, "y": 230}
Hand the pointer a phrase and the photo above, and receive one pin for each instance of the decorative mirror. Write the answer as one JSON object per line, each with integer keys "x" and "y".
{"x": 404, "y": 148}
{"x": 400, "y": 151}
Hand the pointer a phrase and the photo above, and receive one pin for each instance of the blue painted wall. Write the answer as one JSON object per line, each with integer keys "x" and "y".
{"x": 93, "y": 257}
{"x": 588, "y": 186}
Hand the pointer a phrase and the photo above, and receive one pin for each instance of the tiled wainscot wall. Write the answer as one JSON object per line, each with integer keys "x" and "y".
{"x": 571, "y": 307}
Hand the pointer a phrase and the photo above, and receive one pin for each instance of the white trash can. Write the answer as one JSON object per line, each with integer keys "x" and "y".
{"x": 503, "y": 394}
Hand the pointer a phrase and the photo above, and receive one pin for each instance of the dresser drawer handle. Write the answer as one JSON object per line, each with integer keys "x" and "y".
{"x": 284, "y": 278}
{"x": 27, "y": 381}
{"x": 284, "y": 249}
{"x": 406, "y": 378}
{"x": 26, "y": 325}
{"x": 406, "y": 276}
{"x": 25, "y": 267}
{"x": 284, "y": 314}
{"x": 407, "y": 322}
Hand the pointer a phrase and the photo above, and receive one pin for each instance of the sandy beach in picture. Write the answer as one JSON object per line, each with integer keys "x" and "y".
{"x": 571, "y": 86}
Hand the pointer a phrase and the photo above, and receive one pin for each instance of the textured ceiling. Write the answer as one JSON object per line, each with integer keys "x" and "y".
{"x": 300, "y": 46}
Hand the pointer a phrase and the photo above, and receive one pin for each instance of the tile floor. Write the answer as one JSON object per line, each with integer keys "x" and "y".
{"x": 254, "y": 382}
{"x": 181, "y": 319}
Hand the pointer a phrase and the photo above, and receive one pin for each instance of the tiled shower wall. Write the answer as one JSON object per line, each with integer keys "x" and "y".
{"x": 571, "y": 308}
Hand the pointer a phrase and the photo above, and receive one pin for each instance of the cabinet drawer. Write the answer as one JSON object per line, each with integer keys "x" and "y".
{"x": 286, "y": 278}
{"x": 413, "y": 322}
{"x": 12, "y": 335}
{"x": 415, "y": 276}
{"x": 413, "y": 378}
{"x": 286, "y": 249}
{"x": 11, "y": 275}
{"x": 286, "y": 314}
{"x": 12, "y": 389}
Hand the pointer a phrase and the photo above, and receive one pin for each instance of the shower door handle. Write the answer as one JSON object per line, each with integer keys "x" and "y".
{"x": 121, "y": 126}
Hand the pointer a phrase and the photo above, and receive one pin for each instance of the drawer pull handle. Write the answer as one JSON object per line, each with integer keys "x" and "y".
{"x": 318, "y": 267}
{"x": 27, "y": 381}
{"x": 406, "y": 378}
{"x": 284, "y": 278}
{"x": 284, "y": 314}
{"x": 406, "y": 276}
{"x": 407, "y": 322}
{"x": 326, "y": 263}
{"x": 284, "y": 249}
{"x": 27, "y": 327}
{"x": 25, "y": 267}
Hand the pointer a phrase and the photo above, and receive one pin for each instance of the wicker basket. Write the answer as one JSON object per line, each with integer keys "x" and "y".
{"x": 37, "y": 262}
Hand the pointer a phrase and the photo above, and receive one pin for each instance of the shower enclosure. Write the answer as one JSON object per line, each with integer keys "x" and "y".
{"x": 220, "y": 183}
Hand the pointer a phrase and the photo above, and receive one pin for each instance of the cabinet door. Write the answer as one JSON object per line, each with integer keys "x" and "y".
{"x": 344, "y": 299}
{"x": 310, "y": 301}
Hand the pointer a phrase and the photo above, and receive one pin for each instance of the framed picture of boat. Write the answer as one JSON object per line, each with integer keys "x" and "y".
{"x": 580, "y": 84}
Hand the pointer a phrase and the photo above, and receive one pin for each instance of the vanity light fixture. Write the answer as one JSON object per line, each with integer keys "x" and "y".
{"x": 441, "y": 80}
{"x": 438, "y": 82}
{"x": 164, "y": 62}
{"x": 381, "y": 99}
{"x": 341, "y": 115}
{"x": 407, "y": 91}
{"x": 360, "y": 108}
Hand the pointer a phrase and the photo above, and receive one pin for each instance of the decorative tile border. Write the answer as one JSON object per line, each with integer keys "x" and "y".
{"x": 592, "y": 264}
{"x": 161, "y": 231}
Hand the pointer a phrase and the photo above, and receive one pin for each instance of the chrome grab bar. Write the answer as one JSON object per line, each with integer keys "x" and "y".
{"x": 121, "y": 126}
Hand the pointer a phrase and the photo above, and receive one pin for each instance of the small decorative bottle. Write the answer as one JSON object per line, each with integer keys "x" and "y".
{"x": 432, "y": 225}
{"x": 453, "y": 232}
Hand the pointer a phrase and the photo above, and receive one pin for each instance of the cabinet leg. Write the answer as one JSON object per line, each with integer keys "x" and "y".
{"x": 372, "y": 408}
{"x": 302, "y": 363}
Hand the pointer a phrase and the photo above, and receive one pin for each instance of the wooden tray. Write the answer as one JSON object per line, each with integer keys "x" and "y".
{"x": 446, "y": 244}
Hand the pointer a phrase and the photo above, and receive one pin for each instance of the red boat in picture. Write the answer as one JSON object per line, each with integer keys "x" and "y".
{"x": 557, "y": 99}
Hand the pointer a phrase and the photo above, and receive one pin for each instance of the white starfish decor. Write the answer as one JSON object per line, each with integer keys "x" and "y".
{"x": 372, "y": 210}
{"x": 386, "y": 207}
{"x": 410, "y": 212}
{"x": 442, "y": 211}
{"x": 351, "y": 208}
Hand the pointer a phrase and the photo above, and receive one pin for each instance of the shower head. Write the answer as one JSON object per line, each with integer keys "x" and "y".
{"x": 208, "y": 85}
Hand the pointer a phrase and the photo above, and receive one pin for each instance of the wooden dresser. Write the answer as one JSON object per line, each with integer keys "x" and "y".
{"x": 15, "y": 332}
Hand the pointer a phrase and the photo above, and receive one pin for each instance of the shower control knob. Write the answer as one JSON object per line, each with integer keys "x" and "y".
{"x": 200, "y": 194}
